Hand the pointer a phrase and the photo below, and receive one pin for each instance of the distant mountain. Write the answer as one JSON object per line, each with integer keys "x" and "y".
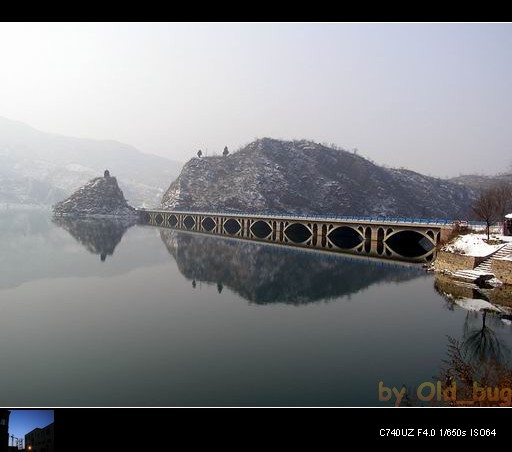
{"x": 303, "y": 177}
{"x": 479, "y": 182}
{"x": 43, "y": 168}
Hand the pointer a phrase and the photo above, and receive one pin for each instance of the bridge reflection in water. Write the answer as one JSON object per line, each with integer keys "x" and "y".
{"x": 393, "y": 239}
{"x": 265, "y": 273}
{"x": 259, "y": 272}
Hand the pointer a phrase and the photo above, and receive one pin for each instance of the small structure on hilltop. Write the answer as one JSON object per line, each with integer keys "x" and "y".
{"x": 106, "y": 173}
{"x": 507, "y": 224}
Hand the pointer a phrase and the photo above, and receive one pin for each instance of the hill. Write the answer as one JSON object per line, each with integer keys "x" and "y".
{"x": 480, "y": 182}
{"x": 99, "y": 196}
{"x": 303, "y": 177}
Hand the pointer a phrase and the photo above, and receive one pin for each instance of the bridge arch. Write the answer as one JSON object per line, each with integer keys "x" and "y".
{"x": 172, "y": 220}
{"x": 189, "y": 222}
{"x": 346, "y": 237}
{"x": 368, "y": 233}
{"x": 208, "y": 224}
{"x": 298, "y": 232}
{"x": 262, "y": 229}
{"x": 232, "y": 226}
{"x": 410, "y": 243}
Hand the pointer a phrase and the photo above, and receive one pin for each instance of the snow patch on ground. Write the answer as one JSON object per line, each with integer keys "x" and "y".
{"x": 472, "y": 304}
{"x": 495, "y": 282}
{"x": 471, "y": 245}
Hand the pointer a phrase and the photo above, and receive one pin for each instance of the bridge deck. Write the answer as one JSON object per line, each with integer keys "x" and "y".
{"x": 402, "y": 221}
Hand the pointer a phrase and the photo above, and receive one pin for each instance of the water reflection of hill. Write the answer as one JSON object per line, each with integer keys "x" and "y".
{"x": 32, "y": 247}
{"x": 97, "y": 235}
{"x": 263, "y": 273}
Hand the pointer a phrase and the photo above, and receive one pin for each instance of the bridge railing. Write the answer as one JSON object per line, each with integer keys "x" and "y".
{"x": 370, "y": 219}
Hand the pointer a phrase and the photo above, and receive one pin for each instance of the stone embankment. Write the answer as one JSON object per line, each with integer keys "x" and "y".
{"x": 470, "y": 258}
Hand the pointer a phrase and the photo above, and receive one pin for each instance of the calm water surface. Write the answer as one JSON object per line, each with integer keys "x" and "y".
{"x": 99, "y": 313}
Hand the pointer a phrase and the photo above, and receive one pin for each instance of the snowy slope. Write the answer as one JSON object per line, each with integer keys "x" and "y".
{"x": 471, "y": 245}
{"x": 304, "y": 177}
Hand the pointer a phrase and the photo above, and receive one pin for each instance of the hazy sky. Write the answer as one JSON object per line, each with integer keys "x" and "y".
{"x": 436, "y": 98}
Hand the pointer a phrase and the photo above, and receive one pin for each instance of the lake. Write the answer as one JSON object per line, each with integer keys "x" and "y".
{"x": 101, "y": 313}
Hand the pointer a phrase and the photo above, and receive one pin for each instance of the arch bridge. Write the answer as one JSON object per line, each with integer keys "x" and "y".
{"x": 399, "y": 238}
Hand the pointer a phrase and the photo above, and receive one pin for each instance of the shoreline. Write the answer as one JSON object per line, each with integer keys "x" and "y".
{"x": 471, "y": 267}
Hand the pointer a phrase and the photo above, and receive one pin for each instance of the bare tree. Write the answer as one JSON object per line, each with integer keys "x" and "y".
{"x": 503, "y": 193}
{"x": 486, "y": 207}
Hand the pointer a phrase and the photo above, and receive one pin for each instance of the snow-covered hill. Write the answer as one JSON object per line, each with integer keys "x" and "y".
{"x": 42, "y": 168}
{"x": 304, "y": 177}
{"x": 100, "y": 196}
